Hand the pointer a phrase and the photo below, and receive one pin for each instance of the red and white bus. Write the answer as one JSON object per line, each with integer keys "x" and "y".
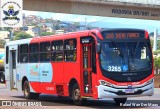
{"x": 100, "y": 63}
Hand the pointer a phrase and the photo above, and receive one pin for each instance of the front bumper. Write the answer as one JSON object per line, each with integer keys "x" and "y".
{"x": 119, "y": 92}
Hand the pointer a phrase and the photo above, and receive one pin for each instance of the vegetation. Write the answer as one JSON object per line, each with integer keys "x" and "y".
{"x": 16, "y": 32}
{"x": 22, "y": 35}
{"x": 156, "y": 52}
{"x": 158, "y": 44}
{"x": 46, "y": 33}
{"x": 157, "y": 64}
{"x": 2, "y": 43}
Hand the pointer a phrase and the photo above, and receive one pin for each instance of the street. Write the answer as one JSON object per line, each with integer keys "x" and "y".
{"x": 50, "y": 101}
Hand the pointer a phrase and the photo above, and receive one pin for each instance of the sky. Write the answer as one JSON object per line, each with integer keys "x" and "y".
{"x": 99, "y": 21}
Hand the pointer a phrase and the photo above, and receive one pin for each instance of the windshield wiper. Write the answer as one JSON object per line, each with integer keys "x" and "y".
{"x": 137, "y": 44}
{"x": 119, "y": 50}
{"x": 133, "y": 52}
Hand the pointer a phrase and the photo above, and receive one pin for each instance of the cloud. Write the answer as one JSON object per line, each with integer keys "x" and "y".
{"x": 58, "y": 16}
{"x": 79, "y": 19}
{"x": 29, "y": 12}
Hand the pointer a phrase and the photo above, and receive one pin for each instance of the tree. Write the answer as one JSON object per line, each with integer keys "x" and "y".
{"x": 156, "y": 52}
{"x": 157, "y": 63}
{"x": 56, "y": 24}
{"x": 16, "y": 32}
{"x": 77, "y": 24}
{"x": 151, "y": 40}
{"x": 1, "y": 28}
{"x": 2, "y": 43}
{"x": 158, "y": 44}
{"x": 22, "y": 35}
{"x": 7, "y": 28}
{"x": 151, "y": 34}
{"x": 46, "y": 33}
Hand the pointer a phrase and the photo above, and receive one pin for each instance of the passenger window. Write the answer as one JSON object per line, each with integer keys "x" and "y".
{"x": 45, "y": 51}
{"x": 34, "y": 53}
{"x": 57, "y": 50}
{"x": 7, "y": 51}
{"x": 70, "y": 47}
{"x": 18, "y": 56}
{"x": 24, "y": 53}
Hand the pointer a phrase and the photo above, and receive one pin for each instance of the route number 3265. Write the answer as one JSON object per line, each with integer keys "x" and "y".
{"x": 114, "y": 68}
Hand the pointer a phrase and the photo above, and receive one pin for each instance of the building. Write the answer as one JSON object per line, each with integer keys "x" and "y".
{"x": 4, "y": 35}
{"x": 59, "y": 31}
{"x": 34, "y": 30}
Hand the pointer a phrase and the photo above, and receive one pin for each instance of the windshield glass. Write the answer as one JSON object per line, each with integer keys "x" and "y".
{"x": 125, "y": 56}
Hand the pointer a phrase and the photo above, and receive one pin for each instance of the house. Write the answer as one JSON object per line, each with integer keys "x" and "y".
{"x": 4, "y": 35}
{"x": 34, "y": 30}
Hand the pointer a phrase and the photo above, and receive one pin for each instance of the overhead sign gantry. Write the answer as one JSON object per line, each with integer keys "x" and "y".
{"x": 96, "y": 7}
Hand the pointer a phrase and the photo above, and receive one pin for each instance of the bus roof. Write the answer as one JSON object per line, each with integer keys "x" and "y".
{"x": 65, "y": 36}
{"x": 22, "y": 41}
{"x": 60, "y": 36}
{"x": 48, "y": 38}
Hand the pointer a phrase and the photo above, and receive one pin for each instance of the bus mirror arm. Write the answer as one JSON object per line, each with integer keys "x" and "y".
{"x": 98, "y": 48}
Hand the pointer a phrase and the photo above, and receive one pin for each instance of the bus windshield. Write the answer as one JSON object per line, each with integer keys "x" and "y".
{"x": 125, "y": 56}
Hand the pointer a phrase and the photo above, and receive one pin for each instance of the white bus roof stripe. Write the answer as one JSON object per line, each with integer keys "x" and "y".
{"x": 16, "y": 42}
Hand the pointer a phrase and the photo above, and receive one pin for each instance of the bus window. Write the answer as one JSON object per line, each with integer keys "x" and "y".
{"x": 18, "y": 56}
{"x": 57, "y": 50}
{"x": 70, "y": 50}
{"x": 45, "y": 49}
{"x": 7, "y": 51}
{"x": 34, "y": 55}
{"x": 24, "y": 53}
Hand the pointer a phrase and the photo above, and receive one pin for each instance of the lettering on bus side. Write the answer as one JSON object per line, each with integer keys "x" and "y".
{"x": 44, "y": 73}
{"x": 85, "y": 40}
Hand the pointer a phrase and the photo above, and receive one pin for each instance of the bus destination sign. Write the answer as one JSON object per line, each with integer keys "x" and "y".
{"x": 122, "y": 35}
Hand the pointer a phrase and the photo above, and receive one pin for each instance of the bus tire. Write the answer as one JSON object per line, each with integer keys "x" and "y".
{"x": 76, "y": 95}
{"x": 34, "y": 95}
{"x": 2, "y": 78}
{"x": 27, "y": 93}
{"x": 118, "y": 101}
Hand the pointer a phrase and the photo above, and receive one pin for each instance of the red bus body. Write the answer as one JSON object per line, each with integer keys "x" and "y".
{"x": 66, "y": 73}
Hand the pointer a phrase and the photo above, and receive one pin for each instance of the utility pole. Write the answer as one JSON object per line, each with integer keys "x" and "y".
{"x": 85, "y": 23}
{"x": 155, "y": 40}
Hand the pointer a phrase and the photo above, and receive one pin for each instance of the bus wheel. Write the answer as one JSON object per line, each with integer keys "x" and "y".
{"x": 27, "y": 93}
{"x": 76, "y": 95}
{"x": 118, "y": 101}
{"x": 26, "y": 90}
{"x": 2, "y": 78}
{"x": 35, "y": 95}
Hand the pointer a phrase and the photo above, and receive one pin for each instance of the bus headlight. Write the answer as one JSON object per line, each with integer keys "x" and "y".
{"x": 105, "y": 83}
{"x": 150, "y": 81}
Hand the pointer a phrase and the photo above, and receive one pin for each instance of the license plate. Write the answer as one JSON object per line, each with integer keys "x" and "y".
{"x": 129, "y": 90}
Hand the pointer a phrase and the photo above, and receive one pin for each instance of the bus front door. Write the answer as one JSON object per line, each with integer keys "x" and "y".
{"x": 13, "y": 70}
{"x": 87, "y": 72}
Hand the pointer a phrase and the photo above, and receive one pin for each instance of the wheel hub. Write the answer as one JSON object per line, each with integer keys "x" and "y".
{"x": 26, "y": 90}
{"x": 77, "y": 94}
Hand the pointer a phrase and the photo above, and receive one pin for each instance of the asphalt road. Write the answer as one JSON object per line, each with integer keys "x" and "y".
{"x": 54, "y": 102}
